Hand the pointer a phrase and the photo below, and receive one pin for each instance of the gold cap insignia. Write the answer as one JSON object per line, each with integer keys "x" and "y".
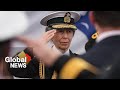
{"x": 67, "y": 17}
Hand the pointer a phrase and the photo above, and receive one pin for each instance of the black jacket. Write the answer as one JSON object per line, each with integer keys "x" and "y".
{"x": 101, "y": 56}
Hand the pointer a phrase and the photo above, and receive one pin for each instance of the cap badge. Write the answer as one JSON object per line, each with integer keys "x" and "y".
{"x": 67, "y": 17}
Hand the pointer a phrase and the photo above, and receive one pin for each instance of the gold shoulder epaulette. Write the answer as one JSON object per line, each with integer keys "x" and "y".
{"x": 75, "y": 66}
{"x": 95, "y": 35}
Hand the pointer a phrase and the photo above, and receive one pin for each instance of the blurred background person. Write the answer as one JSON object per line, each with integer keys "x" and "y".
{"x": 12, "y": 23}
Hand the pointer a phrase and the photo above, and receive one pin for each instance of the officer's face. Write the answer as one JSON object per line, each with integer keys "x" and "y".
{"x": 63, "y": 38}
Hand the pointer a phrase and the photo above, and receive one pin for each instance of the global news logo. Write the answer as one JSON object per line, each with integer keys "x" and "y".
{"x": 16, "y": 62}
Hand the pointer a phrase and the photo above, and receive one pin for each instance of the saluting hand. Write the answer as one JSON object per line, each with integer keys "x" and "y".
{"x": 40, "y": 48}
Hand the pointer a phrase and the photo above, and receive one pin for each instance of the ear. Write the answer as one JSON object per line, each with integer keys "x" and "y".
{"x": 91, "y": 17}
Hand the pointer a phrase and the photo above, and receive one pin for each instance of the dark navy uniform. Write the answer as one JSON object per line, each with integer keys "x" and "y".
{"x": 113, "y": 73}
{"x": 58, "y": 21}
{"x": 96, "y": 61}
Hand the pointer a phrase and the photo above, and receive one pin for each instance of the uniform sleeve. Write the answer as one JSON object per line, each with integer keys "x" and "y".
{"x": 75, "y": 68}
{"x": 32, "y": 69}
{"x": 113, "y": 72}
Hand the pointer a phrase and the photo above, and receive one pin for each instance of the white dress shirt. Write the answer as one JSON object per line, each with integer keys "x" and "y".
{"x": 107, "y": 34}
{"x": 57, "y": 50}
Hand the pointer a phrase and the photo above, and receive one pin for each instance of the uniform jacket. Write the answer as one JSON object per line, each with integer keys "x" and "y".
{"x": 101, "y": 56}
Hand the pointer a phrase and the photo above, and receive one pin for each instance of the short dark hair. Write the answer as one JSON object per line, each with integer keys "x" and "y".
{"x": 107, "y": 18}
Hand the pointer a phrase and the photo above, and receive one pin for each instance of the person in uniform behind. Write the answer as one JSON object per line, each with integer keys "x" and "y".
{"x": 64, "y": 24}
{"x": 12, "y": 23}
{"x": 96, "y": 61}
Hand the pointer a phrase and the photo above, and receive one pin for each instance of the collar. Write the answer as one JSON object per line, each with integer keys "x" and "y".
{"x": 107, "y": 34}
{"x": 57, "y": 50}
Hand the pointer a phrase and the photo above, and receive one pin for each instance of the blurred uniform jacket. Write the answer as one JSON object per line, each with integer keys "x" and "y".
{"x": 113, "y": 73}
{"x": 32, "y": 70}
{"x": 97, "y": 60}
